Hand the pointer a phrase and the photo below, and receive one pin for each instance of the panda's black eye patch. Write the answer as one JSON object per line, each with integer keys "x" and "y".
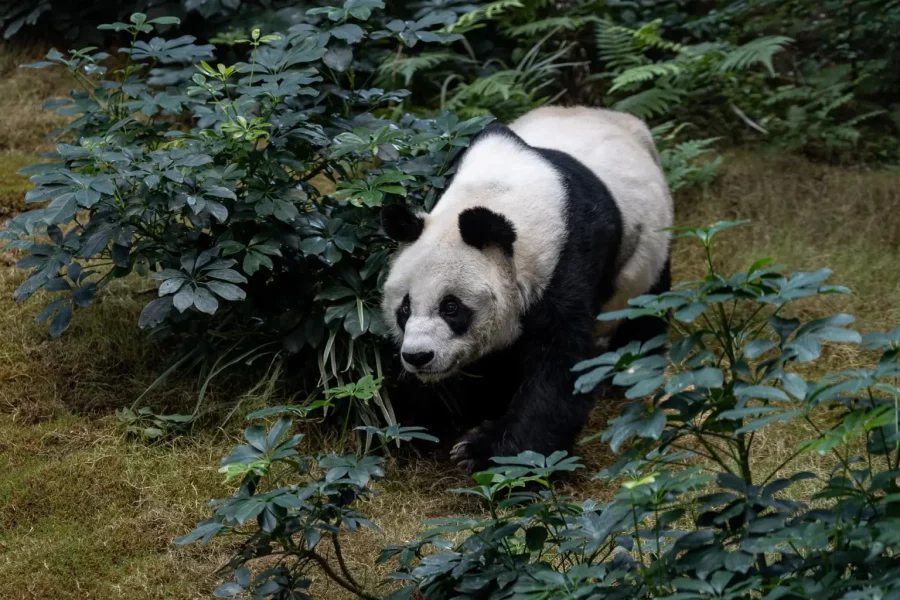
{"x": 456, "y": 314}
{"x": 403, "y": 312}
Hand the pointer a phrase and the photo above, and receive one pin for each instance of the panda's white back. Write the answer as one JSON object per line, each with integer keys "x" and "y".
{"x": 498, "y": 173}
{"x": 619, "y": 149}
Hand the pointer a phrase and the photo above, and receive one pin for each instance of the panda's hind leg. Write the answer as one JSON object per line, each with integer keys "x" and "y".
{"x": 643, "y": 329}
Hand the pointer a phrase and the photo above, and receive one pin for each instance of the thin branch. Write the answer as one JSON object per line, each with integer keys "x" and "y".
{"x": 340, "y": 560}
{"x": 315, "y": 170}
{"x": 782, "y": 465}
{"x": 715, "y": 456}
{"x": 750, "y": 123}
{"x": 337, "y": 578}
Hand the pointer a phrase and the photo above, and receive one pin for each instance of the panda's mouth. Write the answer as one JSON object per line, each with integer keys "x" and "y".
{"x": 431, "y": 375}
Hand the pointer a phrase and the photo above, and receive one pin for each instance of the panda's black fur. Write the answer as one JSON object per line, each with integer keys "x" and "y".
{"x": 522, "y": 398}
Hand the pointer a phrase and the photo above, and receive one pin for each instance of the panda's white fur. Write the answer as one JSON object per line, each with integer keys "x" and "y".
{"x": 619, "y": 149}
{"x": 499, "y": 174}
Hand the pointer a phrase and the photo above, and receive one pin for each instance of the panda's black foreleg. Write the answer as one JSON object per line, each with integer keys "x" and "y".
{"x": 544, "y": 415}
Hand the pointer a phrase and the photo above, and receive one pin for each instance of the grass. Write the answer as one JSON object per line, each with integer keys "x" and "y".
{"x": 86, "y": 513}
{"x": 12, "y": 185}
{"x": 23, "y": 123}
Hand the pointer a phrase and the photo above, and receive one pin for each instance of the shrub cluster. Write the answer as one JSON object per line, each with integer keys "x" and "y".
{"x": 250, "y": 191}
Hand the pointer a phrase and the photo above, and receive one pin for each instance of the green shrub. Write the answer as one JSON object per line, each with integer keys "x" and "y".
{"x": 833, "y": 93}
{"x": 250, "y": 191}
{"x": 696, "y": 516}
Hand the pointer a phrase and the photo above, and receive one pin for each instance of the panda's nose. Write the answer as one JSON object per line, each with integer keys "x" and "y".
{"x": 418, "y": 359}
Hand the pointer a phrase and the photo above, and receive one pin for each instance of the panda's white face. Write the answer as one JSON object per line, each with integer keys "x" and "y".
{"x": 449, "y": 303}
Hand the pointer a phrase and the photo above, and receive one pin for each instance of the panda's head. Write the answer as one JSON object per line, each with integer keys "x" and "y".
{"x": 451, "y": 294}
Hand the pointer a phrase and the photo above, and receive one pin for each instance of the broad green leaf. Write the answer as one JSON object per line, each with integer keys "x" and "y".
{"x": 709, "y": 377}
{"x": 338, "y": 58}
{"x": 61, "y": 321}
{"x": 206, "y": 302}
{"x": 768, "y": 420}
{"x": 227, "y": 291}
{"x": 184, "y": 299}
{"x": 645, "y": 387}
{"x": 757, "y": 348}
{"x": 761, "y": 392}
{"x": 795, "y": 385}
{"x": 783, "y": 327}
{"x": 690, "y": 312}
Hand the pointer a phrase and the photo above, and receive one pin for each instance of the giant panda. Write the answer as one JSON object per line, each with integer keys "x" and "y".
{"x": 492, "y": 297}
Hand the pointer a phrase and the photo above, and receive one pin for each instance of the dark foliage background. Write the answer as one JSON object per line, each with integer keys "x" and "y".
{"x": 833, "y": 80}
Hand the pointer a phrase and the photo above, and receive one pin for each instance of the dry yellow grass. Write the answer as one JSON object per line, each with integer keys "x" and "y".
{"x": 85, "y": 515}
{"x": 23, "y": 123}
{"x": 12, "y": 185}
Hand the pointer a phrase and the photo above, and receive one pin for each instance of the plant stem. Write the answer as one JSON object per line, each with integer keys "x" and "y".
{"x": 715, "y": 456}
{"x": 716, "y": 334}
{"x": 744, "y": 454}
{"x": 844, "y": 463}
{"x": 315, "y": 170}
{"x": 346, "y": 423}
{"x": 781, "y": 466}
{"x": 340, "y": 559}
{"x": 326, "y": 568}
{"x": 692, "y": 450}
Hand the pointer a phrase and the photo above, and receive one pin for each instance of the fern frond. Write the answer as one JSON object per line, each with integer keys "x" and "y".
{"x": 645, "y": 73}
{"x": 649, "y": 103}
{"x": 490, "y": 11}
{"x": 501, "y": 83}
{"x": 757, "y": 52}
{"x": 650, "y": 36}
{"x": 837, "y": 103}
{"x": 685, "y": 163}
{"x": 847, "y": 134}
{"x": 408, "y": 66}
{"x": 615, "y": 46}
{"x": 692, "y": 149}
{"x": 789, "y": 93}
{"x": 546, "y": 25}
{"x": 666, "y": 131}
{"x": 865, "y": 117}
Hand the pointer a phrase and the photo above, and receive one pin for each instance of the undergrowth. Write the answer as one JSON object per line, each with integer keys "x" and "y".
{"x": 792, "y": 220}
{"x": 696, "y": 516}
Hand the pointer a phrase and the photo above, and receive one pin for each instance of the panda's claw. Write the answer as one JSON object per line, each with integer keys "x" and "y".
{"x": 472, "y": 453}
{"x": 458, "y": 452}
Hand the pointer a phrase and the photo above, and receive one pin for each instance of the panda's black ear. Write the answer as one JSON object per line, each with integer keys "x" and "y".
{"x": 401, "y": 224}
{"x": 481, "y": 227}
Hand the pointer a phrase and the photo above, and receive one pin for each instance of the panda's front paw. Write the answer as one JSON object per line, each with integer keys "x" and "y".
{"x": 473, "y": 452}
